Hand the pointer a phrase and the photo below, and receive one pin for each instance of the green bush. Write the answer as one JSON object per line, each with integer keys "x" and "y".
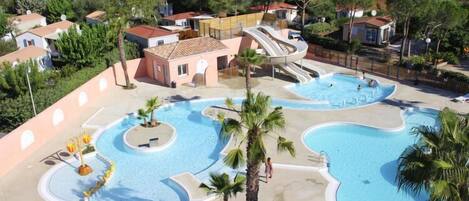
{"x": 13, "y": 82}
{"x": 455, "y": 76}
{"x": 450, "y": 57}
{"x": 7, "y": 47}
{"x": 327, "y": 42}
{"x": 320, "y": 28}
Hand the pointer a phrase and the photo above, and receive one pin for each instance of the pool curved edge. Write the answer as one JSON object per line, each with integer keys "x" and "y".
{"x": 288, "y": 86}
{"x": 133, "y": 148}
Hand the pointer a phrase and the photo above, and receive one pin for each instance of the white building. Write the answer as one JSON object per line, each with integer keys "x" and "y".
{"x": 39, "y": 55}
{"x": 283, "y": 11}
{"x": 23, "y": 23}
{"x": 44, "y": 37}
{"x": 371, "y": 30}
{"x": 343, "y": 12}
{"x": 187, "y": 19}
{"x": 148, "y": 36}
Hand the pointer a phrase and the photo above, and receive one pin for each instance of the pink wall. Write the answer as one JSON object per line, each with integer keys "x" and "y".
{"x": 27, "y": 138}
{"x": 157, "y": 74}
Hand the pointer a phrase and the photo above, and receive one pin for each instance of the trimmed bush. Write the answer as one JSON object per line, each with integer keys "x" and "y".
{"x": 327, "y": 42}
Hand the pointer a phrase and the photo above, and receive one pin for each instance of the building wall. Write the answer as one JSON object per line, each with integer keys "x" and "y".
{"x": 152, "y": 42}
{"x": 359, "y": 32}
{"x": 142, "y": 42}
{"x": 20, "y": 143}
{"x": 38, "y": 41}
{"x": 156, "y": 68}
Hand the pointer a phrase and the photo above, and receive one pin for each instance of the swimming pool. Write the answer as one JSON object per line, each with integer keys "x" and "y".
{"x": 364, "y": 159}
{"x": 340, "y": 91}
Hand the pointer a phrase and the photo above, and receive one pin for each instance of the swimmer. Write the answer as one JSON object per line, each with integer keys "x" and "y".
{"x": 331, "y": 85}
{"x": 359, "y": 87}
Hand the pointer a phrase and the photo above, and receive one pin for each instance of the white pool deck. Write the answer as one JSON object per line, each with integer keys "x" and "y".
{"x": 287, "y": 184}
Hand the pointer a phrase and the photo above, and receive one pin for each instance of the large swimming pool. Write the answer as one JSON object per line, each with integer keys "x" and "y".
{"x": 341, "y": 91}
{"x": 364, "y": 159}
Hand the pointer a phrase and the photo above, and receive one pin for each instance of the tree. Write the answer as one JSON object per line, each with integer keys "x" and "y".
{"x": 223, "y": 7}
{"x": 322, "y": 8}
{"x": 438, "y": 162}
{"x": 249, "y": 58}
{"x": 259, "y": 120}
{"x": 56, "y": 8}
{"x": 122, "y": 12}
{"x": 7, "y": 47}
{"x": 152, "y": 104}
{"x": 449, "y": 15}
{"x": 4, "y": 24}
{"x": 351, "y": 7}
{"x": 418, "y": 63}
{"x": 36, "y": 6}
{"x": 404, "y": 11}
{"x": 143, "y": 114}
{"x": 81, "y": 8}
{"x": 221, "y": 185}
{"x": 13, "y": 81}
{"x": 84, "y": 49}
{"x": 303, "y": 5}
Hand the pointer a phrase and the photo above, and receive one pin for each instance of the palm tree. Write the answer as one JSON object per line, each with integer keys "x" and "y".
{"x": 258, "y": 120}
{"x": 221, "y": 185}
{"x": 248, "y": 58}
{"x": 143, "y": 114}
{"x": 439, "y": 162}
{"x": 153, "y": 104}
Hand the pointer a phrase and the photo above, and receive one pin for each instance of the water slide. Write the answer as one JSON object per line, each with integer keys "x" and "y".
{"x": 281, "y": 51}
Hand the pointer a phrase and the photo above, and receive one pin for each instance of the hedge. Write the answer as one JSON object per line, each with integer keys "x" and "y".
{"x": 327, "y": 42}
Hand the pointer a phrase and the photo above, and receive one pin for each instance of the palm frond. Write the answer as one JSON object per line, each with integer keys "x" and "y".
{"x": 231, "y": 127}
{"x": 235, "y": 158}
{"x": 284, "y": 145}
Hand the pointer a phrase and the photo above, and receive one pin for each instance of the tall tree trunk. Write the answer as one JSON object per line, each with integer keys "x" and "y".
{"x": 248, "y": 78}
{"x": 409, "y": 46}
{"x": 403, "y": 42}
{"x": 349, "y": 36}
{"x": 122, "y": 57}
{"x": 252, "y": 172}
{"x": 303, "y": 12}
{"x": 438, "y": 45}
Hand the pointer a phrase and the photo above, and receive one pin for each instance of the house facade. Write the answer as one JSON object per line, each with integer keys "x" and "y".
{"x": 148, "y": 36}
{"x": 282, "y": 11}
{"x": 38, "y": 55}
{"x": 371, "y": 30}
{"x": 193, "y": 61}
{"x": 342, "y": 12}
{"x": 44, "y": 37}
{"x": 187, "y": 19}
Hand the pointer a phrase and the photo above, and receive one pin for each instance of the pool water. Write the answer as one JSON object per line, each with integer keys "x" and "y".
{"x": 364, "y": 159}
{"x": 341, "y": 91}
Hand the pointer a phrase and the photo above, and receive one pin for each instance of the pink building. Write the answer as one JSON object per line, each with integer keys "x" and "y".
{"x": 193, "y": 61}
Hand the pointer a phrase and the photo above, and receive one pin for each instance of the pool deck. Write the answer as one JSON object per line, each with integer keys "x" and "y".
{"x": 139, "y": 136}
{"x": 21, "y": 183}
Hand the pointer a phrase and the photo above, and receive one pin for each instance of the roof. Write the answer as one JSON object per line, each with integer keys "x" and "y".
{"x": 181, "y": 16}
{"x": 23, "y": 55}
{"x": 275, "y": 6}
{"x": 186, "y": 48}
{"x": 377, "y": 21}
{"x": 27, "y": 17}
{"x": 145, "y": 31}
{"x": 96, "y": 15}
{"x": 52, "y": 28}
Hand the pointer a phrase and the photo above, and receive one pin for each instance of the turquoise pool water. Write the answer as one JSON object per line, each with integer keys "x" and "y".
{"x": 364, "y": 159}
{"x": 343, "y": 93}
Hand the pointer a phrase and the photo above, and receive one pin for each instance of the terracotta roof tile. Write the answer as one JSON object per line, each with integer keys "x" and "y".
{"x": 274, "y": 6}
{"x": 24, "y": 18}
{"x": 378, "y": 21}
{"x": 52, "y": 28}
{"x": 23, "y": 54}
{"x": 96, "y": 15}
{"x": 145, "y": 31}
{"x": 181, "y": 16}
{"x": 188, "y": 47}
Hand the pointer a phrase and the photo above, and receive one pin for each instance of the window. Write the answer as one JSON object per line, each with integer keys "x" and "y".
{"x": 160, "y": 42}
{"x": 222, "y": 62}
{"x": 371, "y": 35}
{"x": 182, "y": 70}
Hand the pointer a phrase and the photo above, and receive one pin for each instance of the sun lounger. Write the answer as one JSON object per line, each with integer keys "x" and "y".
{"x": 153, "y": 141}
{"x": 463, "y": 99}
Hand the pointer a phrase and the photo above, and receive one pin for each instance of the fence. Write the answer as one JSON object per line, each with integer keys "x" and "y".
{"x": 379, "y": 67}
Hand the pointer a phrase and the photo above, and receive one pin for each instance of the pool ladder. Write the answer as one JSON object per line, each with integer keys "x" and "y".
{"x": 324, "y": 158}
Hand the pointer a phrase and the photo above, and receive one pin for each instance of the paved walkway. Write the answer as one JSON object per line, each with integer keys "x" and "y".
{"x": 21, "y": 183}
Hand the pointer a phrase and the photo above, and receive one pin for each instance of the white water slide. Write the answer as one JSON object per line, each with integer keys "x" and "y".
{"x": 281, "y": 51}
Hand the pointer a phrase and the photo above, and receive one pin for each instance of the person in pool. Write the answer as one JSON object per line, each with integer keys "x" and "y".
{"x": 359, "y": 87}
{"x": 331, "y": 85}
{"x": 268, "y": 169}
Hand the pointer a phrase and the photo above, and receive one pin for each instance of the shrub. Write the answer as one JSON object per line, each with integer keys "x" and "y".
{"x": 327, "y": 42}
{"x": 7, "y": 47}
{"x": 320, "y": 28}
{"x": 455, "y": 76}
